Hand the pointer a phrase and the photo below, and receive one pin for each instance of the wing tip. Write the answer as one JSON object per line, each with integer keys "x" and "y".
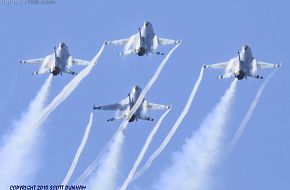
{"x": 22, "y": 61}
{"x": 96, "y": 107}
{"x": 178, "y": 41}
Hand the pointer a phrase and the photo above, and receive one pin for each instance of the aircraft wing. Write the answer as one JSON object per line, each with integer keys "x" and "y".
{"x": 153, "y": 106}
{"x": 116, "y": 106}
{"x": 264, "y": 65}
{"x": 144, "y": 117}
{"x": 163, "y": 41}
{"x": 44, "y": 62}
{"x": 222, "y": 65}
{"x": 121, "y": 106}
{"x": 121, "y": 42}
{"x": 32, "y": 61}
{"x": 228, "y": 65}
{"x": 80, "y": 62}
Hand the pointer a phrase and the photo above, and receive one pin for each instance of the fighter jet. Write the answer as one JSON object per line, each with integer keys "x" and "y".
{"x": 125, "y": 105}
{"x": 60, "y": 61}
{"x": 242, "y": 66}
{"x": 144, "y": 42}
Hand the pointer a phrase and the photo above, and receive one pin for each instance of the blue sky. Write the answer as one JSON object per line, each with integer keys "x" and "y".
{"x": 212, "y": 31}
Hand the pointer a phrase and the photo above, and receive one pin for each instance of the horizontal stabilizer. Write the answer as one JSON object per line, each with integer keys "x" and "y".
{"x": 111, "y": 119}
{"x": 146, "y": 118}
{"x": 228, "y": 75}
{"x": 257, "y": 76}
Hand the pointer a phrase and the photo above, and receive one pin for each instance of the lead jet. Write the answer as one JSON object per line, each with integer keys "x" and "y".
{"x": 242, "y": 66}
{"x": 125, "y": 106}
{"x": 143, "y": 42}
{"x": 60, "y": 61}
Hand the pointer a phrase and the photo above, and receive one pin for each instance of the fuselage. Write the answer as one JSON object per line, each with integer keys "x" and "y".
{"x": 145, "y": 39}
{"x": 243, "y": 65}
{"x": 133, "y": 97}
{"x": 61, "y": 55}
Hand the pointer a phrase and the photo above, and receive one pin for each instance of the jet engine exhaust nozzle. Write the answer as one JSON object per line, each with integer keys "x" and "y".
{"x": 141, "y": 51}
{"x": 55, "y": 71}
{"x": 240, "y": 75}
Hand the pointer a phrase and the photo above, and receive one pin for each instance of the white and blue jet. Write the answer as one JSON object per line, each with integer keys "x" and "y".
{"x": 143, "y": 42}
{"x": 242, "y": 66}
{"x": 124, "y": 107}
{"x": 60, "y": 61}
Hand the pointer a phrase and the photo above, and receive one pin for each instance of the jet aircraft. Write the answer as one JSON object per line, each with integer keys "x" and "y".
{"x": 143, "y": 42}
{"x": 125, "y": 105}
{"x": 242, "y": 66}
{"x": 60, "y": 61}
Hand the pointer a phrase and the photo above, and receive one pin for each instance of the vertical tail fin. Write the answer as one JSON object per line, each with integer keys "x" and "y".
{"x": 140, "y": 36}
{"x": 240, "y": 62}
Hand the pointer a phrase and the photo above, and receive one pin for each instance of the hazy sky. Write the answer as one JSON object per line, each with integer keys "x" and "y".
{"x": 212, "y": 31}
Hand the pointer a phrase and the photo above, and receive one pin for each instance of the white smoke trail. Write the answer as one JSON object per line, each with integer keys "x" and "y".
{"x": 200, "y": 152}
{"x": 79, "y": 151}
{"x": 94, "y": 164}
{"x": 143, "y": 151}
{"x": 17, "y": 154}
{"x": 249, "y": 114}
{"x": 124, "y": 123}
{"x": 70, "y": 87}
{"x": 173, "y": 130}
{"x": 105, "y": 177}
{"x": 6, "y": 94}
{"x": 90, "y": 168}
